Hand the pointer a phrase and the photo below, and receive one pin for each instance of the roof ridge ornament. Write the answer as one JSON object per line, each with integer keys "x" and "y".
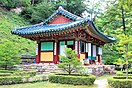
{"x": 60, "y": 7}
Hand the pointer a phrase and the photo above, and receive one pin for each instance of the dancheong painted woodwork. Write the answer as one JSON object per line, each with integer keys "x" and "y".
{"x": 66, "y": 30}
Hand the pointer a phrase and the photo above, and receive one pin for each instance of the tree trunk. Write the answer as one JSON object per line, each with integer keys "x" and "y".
{"x": 69, "y": 69}
{"x": 126, "y": 61}
{"x": 5, "y": 67}
{"x": 32, "y": 2}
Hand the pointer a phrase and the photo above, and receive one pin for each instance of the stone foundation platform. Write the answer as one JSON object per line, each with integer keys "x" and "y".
{"x": 52, "y": 68}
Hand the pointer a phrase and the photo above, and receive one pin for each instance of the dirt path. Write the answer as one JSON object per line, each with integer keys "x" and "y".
{"x": 101, "y": 83}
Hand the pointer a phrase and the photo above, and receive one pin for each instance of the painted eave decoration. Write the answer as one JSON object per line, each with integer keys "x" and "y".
{"x": 44, "y": 28}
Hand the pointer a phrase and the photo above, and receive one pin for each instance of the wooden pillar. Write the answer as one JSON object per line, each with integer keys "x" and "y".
{"x": 56, "y": 52}
{"x": 89, "y": 52}
{"x": 93, "y": 53}
{"x": 99, "y": 58}
{"x": 99, "y": 54}
{"x": 76, "y": 46}
{"x": 79, "y": 50}
{"x": 38, "y": 51}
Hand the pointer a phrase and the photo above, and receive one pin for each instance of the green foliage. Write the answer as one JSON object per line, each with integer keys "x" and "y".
{"x": 120, "y": 82}
{"x": 110, "y": 22}
{"x": 27, "y": 12}
{"x": 43, "y": 9}
{"x": 9, "y": 21}
{"x": 25, "y": 73}
{"x": 119, "y": 62}
{"x": 8, "y": 55}
{"x": 38, "y": 13}
{"x": 73, "y": 6}
{"x": 41, "y": 12}
{"x": 121, "y": 47}
{"x": 8, "y": 3}
{"x": 6, "y": 80}
{"x": 129, "y": 72}
{"x": 6, "y": 71}
{"x": 110, "y": 54}
{"x": 18, "y": 76}
{"x": 5, "y": 74}
{"x": 72, "y": 79}
{"x": 14, "y": 3}
{"x": 119, "y": 73}
{"x": 70, "y": 62}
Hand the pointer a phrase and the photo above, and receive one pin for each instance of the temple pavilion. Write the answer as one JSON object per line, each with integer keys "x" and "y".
{"x": 64, "y": 29}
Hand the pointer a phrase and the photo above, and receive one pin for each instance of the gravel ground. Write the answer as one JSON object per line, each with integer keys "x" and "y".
{"x": 101, "y": 83}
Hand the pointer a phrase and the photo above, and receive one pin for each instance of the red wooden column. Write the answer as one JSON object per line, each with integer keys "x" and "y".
{"x": 99, "y": 57}
{"x": 56, "y": 52}
{"x": 38, "y": 51}
{"x": 99, "y": 54}
{"x": 77, "y": 48}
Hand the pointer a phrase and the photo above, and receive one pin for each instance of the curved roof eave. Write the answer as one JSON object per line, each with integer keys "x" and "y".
{"x": 107, "y": 38}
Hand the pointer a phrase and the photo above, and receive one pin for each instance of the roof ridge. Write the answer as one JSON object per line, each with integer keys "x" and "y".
{"x": 63, "y": 12}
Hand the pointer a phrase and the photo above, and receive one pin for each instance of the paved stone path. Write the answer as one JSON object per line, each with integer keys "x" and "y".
{"x": 101, "y": 83}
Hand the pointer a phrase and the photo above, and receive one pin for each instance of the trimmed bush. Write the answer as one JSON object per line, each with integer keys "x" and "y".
{"x": 38, "y": 78}
{"x": 5, "y": 74}
{"x": 120, "y": 82}
{"x": 129, "y": 72}
{"x": 6, "y": 80}
{"x": 72, "y": 79}
{"x": 25, "y": 73}
{"x": 6, "y": 71}
{"x": 122, "y": 77}
{"x": 119, "y": 73}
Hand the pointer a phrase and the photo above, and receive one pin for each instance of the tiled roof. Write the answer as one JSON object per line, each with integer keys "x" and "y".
{"x": 102, "y": 35}
{"x": 44, "y": 27}
{"x": 41, "y": 28}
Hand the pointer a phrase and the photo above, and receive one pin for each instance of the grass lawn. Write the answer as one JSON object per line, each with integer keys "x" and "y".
{"x": 46, "y": 84}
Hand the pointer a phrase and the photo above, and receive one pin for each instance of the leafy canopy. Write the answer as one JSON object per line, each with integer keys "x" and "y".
{"x": 9, "y": 55}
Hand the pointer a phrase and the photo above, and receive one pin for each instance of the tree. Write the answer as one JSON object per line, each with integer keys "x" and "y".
{"x": 8, "y": 55}
{"x": 70, "y": 62}
{"x": 112, "y": 22}
{"x": 41, "y": 11}
{"x": 124, "y": 44}
{"x": 8, "y": 4}
{"x": 126, "y": 38}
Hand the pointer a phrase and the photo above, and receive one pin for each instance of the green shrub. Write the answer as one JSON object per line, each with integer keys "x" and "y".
{"x": 25, "y": 73}
{"x": 6, "y": 80}
{"x": 119, "y": 73}
{"x": 122, "y": 77}
{"x": 120, "y": 82}
{"x": 39, "y": 12}
{"x": 129, "y": 72}
{"x": 6, "y": 71}
{"x": 72, "y": 79}
{"x": 38, "y": 78}
{"x": 14, "y": 3}
{"x": 5, "y": 74}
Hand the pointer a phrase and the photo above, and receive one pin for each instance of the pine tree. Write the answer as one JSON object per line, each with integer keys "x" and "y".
{"x": 70, "y": 62}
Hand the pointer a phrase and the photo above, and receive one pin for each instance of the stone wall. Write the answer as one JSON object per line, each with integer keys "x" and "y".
{"x": 52, "y": 68}
{"x": 40, "y": 68}
{"x": 100, "y": 69}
